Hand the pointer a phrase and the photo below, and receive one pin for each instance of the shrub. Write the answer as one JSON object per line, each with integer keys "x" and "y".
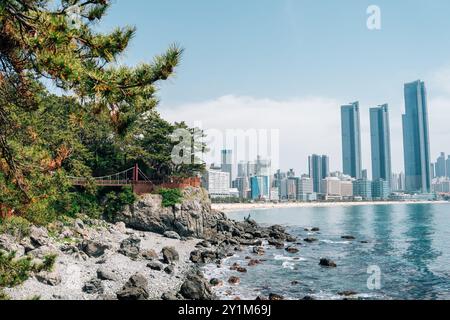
{"x": 170, "y": 197}
{"x": 16, "y": 226}
{"x": 115, "y": 202}
{"x": 14, "y": 272}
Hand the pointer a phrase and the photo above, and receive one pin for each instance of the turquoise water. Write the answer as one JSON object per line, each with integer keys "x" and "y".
{"x": 409, "y": 244}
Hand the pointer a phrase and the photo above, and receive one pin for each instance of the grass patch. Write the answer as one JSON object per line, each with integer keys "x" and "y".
{"x": 170, "y": 197}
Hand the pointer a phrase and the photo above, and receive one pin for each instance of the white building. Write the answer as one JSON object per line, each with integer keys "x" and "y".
{"x": 217, "y": 183}
{"x": 331, "y": 186}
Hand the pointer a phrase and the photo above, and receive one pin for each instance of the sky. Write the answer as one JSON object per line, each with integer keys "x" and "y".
{"x": 289, "y": 65}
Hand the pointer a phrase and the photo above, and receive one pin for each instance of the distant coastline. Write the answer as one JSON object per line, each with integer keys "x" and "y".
{"x": 233, "y": 207}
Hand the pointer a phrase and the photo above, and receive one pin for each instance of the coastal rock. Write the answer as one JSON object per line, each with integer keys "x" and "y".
{"x": 327, "y": 263}
{"x": 38, "y": 236}
{"x": 149, "y": 254}
{"x": 170, "y": 255}
{"x": 94, "y": 249}
{"x": 253, "y": 262}
{"x": 170, "y": 269}
{"x": 135, "y": 289}
{"x": 311, "y": 240}
{"x": 172, "y": 235}
{"x": 347, "y": 293}
{"x": 156, "y": 266}
{"x": 216, "y": 282}
{"x": 169, "y": 296}
{"x": 259, "y": 251}
{"x": 9, "y": 245}
{"x": 104, "y": 274}
{"x": 192, "y": 218}
{"x": 348, "y": 238}
{"x": 315, "y": 229}
{"x": 195, "y": 287}
{"x": 292, "y": 250}
{"x": 234, "y": 280}
{"x": 131, "y": 247}
{"x": 275, "y": 297}
{"x": 93, "y": 286}
{"x": 49, "y": 278}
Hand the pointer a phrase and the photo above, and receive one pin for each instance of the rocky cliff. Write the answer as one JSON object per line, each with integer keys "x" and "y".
{"x": 191, "y": 218}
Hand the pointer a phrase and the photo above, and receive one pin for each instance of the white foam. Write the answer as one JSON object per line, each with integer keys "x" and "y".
{"x": 335, "y": 242}
{"x": 288, "y": 265}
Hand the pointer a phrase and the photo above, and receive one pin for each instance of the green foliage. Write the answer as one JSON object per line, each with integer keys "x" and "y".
{"x": 170, "y": 197}
{"x": 3, "y": 296}
{"x": 115, "y": 202}
{"x": 14, "y": 271}
{"x": 18, "y": 227}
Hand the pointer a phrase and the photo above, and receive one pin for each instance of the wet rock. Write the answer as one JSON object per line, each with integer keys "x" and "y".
{"x": 156, "y": 266}
{"x": 169, "y": 296}
{"x": 259, "y": 251}
{"x": 295, "y": 283}
{"x": 93, "y": 286}
{"x": 315, "y": 229}
{"x": 49, "y": 278}
{"x": 253, "y": 262}
{"x": 348, "y": 238}
{"x": 131, "y": 247}
{"x": 172, "y": 235}
{"x": 292, "y": 250}
{"x": 195, "y": 287}
{"x": 234, "y": 280}
{"x": 170, "y": 255}
{"x": 196, "y": 256}
{"x": 311, "y": 240}
{"x": 216, "y": 282}
{"x": 327, "y": 263}
{"x": 135, "y": 289}
{"x": 241, "y": 270}
{"x": 347, "y": 293}
{"x": 235, "y": 266}
{"x": 261, "y": 298}
{"x": 275, "y": 297}
{"x": 93, "y": 249}
{"x": 308, "y": 298}
{"x": 104, "y": 274}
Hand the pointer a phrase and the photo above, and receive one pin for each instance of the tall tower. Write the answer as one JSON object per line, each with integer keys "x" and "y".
{"x": 416, "y": 139}
{"x": 227, "y": 163}
{"x": 319, "y": 169}
{"x": 381, "y": 143}
{"x": 351, "y": 140}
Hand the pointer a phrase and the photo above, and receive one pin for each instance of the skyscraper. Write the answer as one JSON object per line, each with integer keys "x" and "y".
{"x": 351, "y": 140}
{"x": 448, "y": 167}
{"x": 381, "y": 143}
{"x": 227, "y": 163}
{"x": 319, "y": 169}
{"x": 416, "y": 140}
{"x": 441, "y": 166}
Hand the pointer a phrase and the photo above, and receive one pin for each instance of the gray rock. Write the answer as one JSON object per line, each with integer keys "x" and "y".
{"x": 157, "y": 266}
{"x": 79, "y": 224}
{"x": 170, "y": 255}
{"x": 149, "y": 254}
{"x": 94, "y": 249}
{"x": 49, "y": 278}
{"x": 195, "y": 287}
{"x": 93, "y": 286}
{"x": 169, "y": 296}
{"x": 121, "y": 227}
{"x": 327, "y": 263}
{"x": 135, "y": 289}
{"x": 170, "y": 269}
{"x": 172, "y": 235}
{"x": 131, "y": 247}
{"x": 104, "y": 274}
{"x": 9, "y": 245}
{"x": 38, "y": 236}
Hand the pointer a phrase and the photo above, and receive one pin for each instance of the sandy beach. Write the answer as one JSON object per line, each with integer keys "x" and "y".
{"x": 233, "y": 207}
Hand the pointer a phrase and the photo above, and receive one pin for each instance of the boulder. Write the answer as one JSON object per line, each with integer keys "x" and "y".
{"x": 195, "y": 287}
{"x": 156, "y": 266}
{"x": 9, "y": 245}
{"x": 259, "y": 251}
{"x": 275, "y": 297}
{"x": 348, "y": 238}
{"x": 347, "y": 293}
{"x": 234, "y": 280}
{"x": 327, "y": 263}
{"x": 170, "y": 255}
{"x": 315, "y": 229}
{"x": 93, "y": 286}
{"x": 215, "y": 282}
{"x": 93, "y": 249}
{"x": 131, "y": 247}
{"x": 38, "y": 236}
{"x": 149, "y": 254}
{"x": 104, "y": 274}
{"x": 170, "y": 269}
{"x": 49, "y": 278}
{"x": 172, "y": 235}
{"x": 136, "y": 288}
{"x": 121, "y": 227}
{"x": 311, "y": 240}
{"x": 292, "y": 250}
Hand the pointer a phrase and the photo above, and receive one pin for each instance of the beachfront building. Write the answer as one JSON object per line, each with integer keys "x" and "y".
{"x": 216, "y": 182}
{"x": 381, "y": 190}
{"x": 416, "y": 139}
{"x": 347, "y": 189}
{"x": 319, "y": 169}
{"x": 243, "y": 185}
{"x": 351, "y": 140}
{"x": 260, "y": 187}
{"x": 305, "y": 189}
{"x": 362, "y": 188}
{"x": 331, "y": 188}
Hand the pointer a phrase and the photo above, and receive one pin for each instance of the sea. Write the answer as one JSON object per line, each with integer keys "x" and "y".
{"x": 399, "y": 252}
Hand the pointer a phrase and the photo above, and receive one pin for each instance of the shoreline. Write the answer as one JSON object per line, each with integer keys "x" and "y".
{"x": 236, "y": 207}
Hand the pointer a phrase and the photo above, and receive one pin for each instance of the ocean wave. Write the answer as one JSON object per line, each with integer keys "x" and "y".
{"x": 288, "y": 265}
{"x": 335, "y": 242}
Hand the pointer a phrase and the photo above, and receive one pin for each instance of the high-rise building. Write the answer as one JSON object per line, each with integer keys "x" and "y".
{"x": 243, "y": 185}
{"x": 351, "y": 140}
{"x": 227, "y": 163}
{"x": 441, "y": 166}
{"x": 305, "y": 189}
{"x": 216, "y": 182}
{"x": 416, "y": 139}
{"x": 448, "y": 167}
{"x": 242, "y": 169}
{"x": 433, "y": 170}
{"x": 363, "y": 188}
{"x": 319, "y": 169}
{"x": 381, "y": 143}
{"x": 260, "y": 188}
{"x": 380, "y": 189}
